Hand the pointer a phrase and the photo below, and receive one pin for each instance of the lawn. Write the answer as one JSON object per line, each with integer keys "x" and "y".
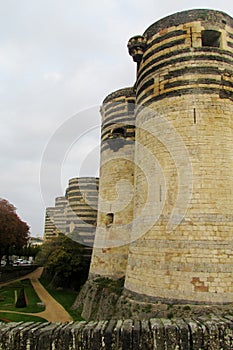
{"x": 65, "y": 297}
{"x": 7, "y": 297}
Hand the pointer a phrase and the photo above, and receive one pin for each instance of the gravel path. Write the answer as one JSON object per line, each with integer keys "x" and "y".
{"x": 54, "y": 312}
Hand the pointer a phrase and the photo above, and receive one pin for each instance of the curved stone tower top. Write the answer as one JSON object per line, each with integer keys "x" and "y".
{"x": 175, "y": 51}
{"x": 118, "y": 119}
{"x": 206, "y": 16}
{"x": 117, "y": 108}
{"x": 123, "y": 93}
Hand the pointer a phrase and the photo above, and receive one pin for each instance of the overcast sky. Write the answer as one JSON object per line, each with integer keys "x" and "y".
{"x": 58, "y": 61}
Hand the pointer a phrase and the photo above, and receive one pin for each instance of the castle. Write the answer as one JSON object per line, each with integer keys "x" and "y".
{"x": 166, "y": 183}
{"x": 165, "y": 205}
{"x": 164, "y": 221}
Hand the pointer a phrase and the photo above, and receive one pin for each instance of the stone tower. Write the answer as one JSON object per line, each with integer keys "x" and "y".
{"x": 75, "y": 214}
{"x": 115, "y": 205}
{"x": 184, "y": 122}
{"x": 81, "y": 217}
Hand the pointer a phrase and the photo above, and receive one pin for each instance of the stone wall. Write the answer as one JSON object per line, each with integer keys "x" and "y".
{"x": 157, "y": 334}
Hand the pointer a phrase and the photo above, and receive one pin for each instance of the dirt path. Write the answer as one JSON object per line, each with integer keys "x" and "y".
{"x": 54, "y": 312}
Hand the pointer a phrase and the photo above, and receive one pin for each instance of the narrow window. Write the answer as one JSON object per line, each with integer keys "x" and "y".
{"x": 210, "y": 38}
{"x": 109, "y": 219}
{"x": 194, "y": 116}
{"x": 191, "y": 37}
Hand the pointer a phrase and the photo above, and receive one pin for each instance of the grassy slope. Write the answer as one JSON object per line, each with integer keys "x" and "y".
{"x": 65, "y": 297}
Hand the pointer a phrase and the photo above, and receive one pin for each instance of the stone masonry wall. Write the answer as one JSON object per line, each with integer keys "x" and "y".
{"x": 155, "y": 334}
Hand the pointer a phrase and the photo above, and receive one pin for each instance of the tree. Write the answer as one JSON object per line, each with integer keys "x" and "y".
{"x": 26, "y": 251}
{"x": 14, "y": 233}
{"x": 66, "y": 263}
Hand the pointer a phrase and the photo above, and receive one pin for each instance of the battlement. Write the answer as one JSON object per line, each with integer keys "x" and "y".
{"x": 194, "y": 334}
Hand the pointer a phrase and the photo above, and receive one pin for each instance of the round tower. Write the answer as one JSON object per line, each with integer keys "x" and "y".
{"x": 184, "y": 97}
{"x": 115, "y": 206}
{"x": 82, "y": 197}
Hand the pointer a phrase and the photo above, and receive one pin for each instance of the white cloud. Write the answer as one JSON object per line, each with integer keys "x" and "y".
{"x": 58, "y": 58}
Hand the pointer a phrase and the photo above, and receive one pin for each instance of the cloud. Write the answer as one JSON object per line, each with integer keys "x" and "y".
{"x": 59, "y": 58}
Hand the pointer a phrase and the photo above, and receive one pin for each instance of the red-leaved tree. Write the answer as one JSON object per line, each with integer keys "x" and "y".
{"x": 13, "y": 231}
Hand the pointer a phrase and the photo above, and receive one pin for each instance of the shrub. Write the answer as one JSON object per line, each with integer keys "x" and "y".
{"x": 21, "y": 300}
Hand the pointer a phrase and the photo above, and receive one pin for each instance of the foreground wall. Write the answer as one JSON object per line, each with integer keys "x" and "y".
{"x": 211, "y": 333}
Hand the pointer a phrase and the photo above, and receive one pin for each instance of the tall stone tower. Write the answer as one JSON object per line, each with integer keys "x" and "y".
{"x": 115, "y": 205}
{"x": 184, "y": 122}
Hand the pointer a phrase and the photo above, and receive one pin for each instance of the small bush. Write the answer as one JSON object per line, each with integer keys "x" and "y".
{"x": 186, "y": 307}
{"x": 21, "y": 300}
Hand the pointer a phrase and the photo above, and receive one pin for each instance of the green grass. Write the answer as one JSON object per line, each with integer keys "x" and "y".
{"x": 7, "y": 297}
{"x": 7, "y": 316}
{"x": 65, "y": 297}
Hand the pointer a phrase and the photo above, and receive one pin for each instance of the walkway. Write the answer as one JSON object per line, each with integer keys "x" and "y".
{"x": 54, "y": 312}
